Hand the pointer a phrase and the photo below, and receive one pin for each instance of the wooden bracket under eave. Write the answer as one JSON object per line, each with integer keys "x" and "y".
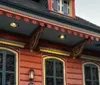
{"x": 78, "y": 48}
{"x": 35, "y": 38}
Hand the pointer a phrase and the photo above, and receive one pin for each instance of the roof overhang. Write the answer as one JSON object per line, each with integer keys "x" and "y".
{"x": 52, "y": 29}
{"x": 30, "y": 18}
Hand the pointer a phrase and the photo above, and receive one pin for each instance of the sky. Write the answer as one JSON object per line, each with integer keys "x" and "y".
{"x": 89, "y": 10}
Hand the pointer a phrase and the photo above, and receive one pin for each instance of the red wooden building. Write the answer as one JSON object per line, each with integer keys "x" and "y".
{"x": 42, "y": 42}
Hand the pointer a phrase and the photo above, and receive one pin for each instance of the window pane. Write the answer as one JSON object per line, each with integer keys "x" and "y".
{"x": 0, "y": 78}
{"x": 68, "y": 3}
{"x": 55, "y": 5}
{"x": 58, "y": 5}
{"x": 58, "y": 8}
{"x": 87, "y": 72}
{"x": 58, "y": 1}
{"x": 95, "y": 73}
{"x": 1, "y": 62}
{"x": 54, "y": 72}
{"x": 49, "y": 81}
{"x": 10, "y": 79}
{"x": 7, "y": 68}
{"x": 59, "y": 81}
{"x": 91, "y": 74}
{"x": 59, "y": 69}
{"x": 96, "y": 83}
{"x": 88, "y": 83}
{"x": 65, "y": 8}
{"x": 49, "y": 68}
{"x": 10, "y": 62}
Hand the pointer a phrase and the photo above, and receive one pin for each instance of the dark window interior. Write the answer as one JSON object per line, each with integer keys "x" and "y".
{"x": 54, "y": 72}
{"x": 65, "y": 1}
{"x": 91, "y": 74}
{"x": 7, "y": 68}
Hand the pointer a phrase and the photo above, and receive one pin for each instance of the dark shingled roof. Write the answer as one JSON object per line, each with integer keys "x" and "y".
{"x": 87, "y": 23}
{"x": 40, "y": 9}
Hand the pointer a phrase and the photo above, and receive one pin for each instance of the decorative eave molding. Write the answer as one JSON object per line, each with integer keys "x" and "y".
{"x": 12, "y": 43}
{"x": 10, "y": 12}
{"x": 88, "y": 57}
{"x": 67, "y": 54}
{"x": 54, "y": 51}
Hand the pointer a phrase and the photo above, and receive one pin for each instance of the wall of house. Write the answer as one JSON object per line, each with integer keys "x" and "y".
{"x": 30, "y": 60}
{"x": 74, "y": 71}
{"x": 27, "y": 60}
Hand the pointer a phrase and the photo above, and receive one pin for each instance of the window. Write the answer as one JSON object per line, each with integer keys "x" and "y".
{"x": 54, "y": 74}
{"x": 7, "y": 68}
{"x": 91, "y": 74}
{"x": 62, "y": 6}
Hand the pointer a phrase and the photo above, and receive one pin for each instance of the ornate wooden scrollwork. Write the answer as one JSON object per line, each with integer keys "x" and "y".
{"x": 35, "y": 38}
{"x": 78, "y": 48}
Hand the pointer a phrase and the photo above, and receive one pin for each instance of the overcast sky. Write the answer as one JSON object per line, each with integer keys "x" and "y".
{"x": 89, "y": 10}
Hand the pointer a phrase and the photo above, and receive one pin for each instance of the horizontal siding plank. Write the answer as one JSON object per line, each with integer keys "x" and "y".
{"x": 30, "y": 65}
{"x": 30, "y": 58}
{"x": 74, "y": 76}
{"x": 26, "y": 71}
{"x": 26, "y": 83}
{"x": 27, "y": 52}
{"x": 24, "y": 77}
{"x": 73, "y": 70}
{"x": 74, "y": 84}
{"x": 74, "y": 60}
{"x": 74, "y": 81}
{"x": 74, "y": 65}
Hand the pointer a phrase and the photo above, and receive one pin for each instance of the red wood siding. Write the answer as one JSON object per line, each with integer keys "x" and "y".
{"x": 73, "y": 8}
{"x": 74, "y": 72}
{"x": 35, "y": 60}
{"x": 50, "y": 5}
{"x": 30, "y": 60}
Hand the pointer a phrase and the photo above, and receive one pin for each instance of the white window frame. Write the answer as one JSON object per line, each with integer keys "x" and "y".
{"x": 61, "y": 5}
{"x": 84, "y": 72}
{"x": 44, "y": 71}
{"x": 16, "y": 56}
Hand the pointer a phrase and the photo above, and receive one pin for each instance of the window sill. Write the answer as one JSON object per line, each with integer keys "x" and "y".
{"x": 62, "y": 14}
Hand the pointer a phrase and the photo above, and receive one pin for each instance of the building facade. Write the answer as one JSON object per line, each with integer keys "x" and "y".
{"x": 43, "y": 42}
